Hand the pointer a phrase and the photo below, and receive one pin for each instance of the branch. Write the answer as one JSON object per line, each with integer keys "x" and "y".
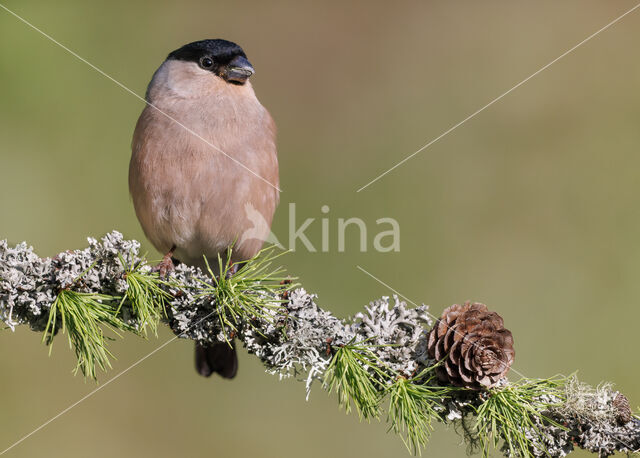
{"x": 379, "y": 355}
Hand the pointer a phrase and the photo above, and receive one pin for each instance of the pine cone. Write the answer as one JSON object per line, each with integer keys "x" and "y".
{"x": 475, "y": 349}
{"x": 623, "y": 409}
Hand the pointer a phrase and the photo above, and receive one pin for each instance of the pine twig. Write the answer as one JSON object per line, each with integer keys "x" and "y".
{"x": 365, "y": 360}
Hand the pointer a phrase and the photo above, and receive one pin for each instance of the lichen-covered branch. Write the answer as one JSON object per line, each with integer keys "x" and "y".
{"x": 378, "y": 356}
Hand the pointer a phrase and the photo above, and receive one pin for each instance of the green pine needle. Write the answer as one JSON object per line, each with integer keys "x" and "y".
{"x": 247, "y": 294}
{"x": 146, "y": 297}
{"x": 347, "y": 375}
{"x": 510, "y": 411}
{"x": 80, "y": 316}
{"x": 413, "y": 408}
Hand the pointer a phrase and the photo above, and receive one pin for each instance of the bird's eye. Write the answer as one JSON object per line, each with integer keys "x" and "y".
{"x": 206, "y": 62}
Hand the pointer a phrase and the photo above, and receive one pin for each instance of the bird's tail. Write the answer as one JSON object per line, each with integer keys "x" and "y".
{"x": 218, "y": 357}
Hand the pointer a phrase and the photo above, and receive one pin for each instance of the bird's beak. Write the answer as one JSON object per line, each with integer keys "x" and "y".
{"x": 239, "y": 70}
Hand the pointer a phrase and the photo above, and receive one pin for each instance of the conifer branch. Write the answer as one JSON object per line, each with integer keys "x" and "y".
{"x": 374, "y": 360}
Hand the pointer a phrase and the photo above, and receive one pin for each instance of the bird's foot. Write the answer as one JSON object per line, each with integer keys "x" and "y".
{"x": 166, "y": 265}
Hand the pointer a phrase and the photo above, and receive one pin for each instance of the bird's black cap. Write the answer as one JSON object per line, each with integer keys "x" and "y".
{"x": 222, "y": 51}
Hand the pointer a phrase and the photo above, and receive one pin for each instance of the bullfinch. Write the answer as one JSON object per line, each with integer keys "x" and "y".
{"x": 203, "y": 154}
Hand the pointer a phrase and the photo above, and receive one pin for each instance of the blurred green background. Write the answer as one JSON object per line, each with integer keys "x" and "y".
{"x": 530, "y": 207}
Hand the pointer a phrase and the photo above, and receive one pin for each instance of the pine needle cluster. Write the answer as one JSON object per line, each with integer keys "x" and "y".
{"x": 415, "y": 404}
{"x": 246, "y": 291}
{"x": 509, "y": 412}
{"x": 81, "y": 316}
{"x": 349, "y": 377}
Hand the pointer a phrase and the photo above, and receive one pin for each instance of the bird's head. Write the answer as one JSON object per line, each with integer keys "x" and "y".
{"x": 201, "y": 69}
{"x": 220, "y": 58}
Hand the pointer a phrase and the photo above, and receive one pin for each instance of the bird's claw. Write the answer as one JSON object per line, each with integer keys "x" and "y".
{"x": 165, "y": 266}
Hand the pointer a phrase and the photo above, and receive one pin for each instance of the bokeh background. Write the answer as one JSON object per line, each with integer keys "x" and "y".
{"x": 531, "y": 207}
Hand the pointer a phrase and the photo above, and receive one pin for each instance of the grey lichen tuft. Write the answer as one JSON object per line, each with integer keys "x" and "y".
{"x": 191, "y": 315}
{"x": 297, "y": 339}
{"x": 29, "y": 284}
{"x": 590, "y": 420}
{"x": 300, "y": 337}
{"x": 26, "y": 291}
{"x": 397, "y": 334}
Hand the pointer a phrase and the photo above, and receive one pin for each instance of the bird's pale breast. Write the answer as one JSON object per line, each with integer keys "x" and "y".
{"x": 187, "y": 192}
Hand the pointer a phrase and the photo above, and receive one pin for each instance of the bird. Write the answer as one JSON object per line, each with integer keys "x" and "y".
{"x": 204, "y": 150}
